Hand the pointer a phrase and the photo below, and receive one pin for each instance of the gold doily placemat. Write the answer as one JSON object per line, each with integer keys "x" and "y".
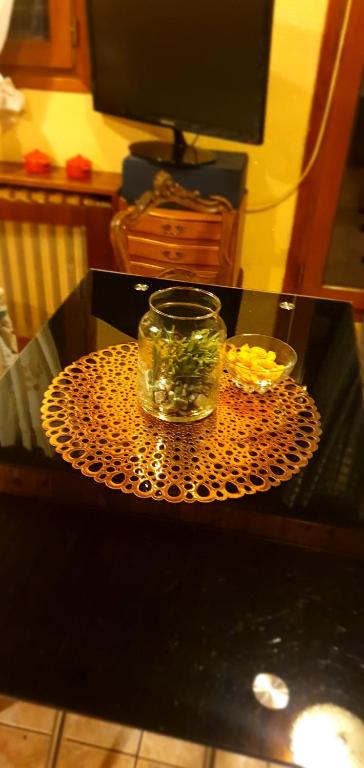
{"x": 91, "y": 416}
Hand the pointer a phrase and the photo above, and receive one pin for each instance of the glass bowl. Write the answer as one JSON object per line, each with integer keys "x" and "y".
{"x": 256, "y": 363}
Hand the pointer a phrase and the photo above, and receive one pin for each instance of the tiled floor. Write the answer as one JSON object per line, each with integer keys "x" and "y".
{"x": 88, "y": 743}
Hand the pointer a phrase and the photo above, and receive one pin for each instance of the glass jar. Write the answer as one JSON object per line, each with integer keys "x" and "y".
{"x": 181, "y": 349}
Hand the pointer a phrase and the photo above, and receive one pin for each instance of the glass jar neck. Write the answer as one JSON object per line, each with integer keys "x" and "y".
{"x": 184, "y": 303}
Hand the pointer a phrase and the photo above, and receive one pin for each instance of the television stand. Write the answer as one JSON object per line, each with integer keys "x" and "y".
{"x": 179, "y": 154}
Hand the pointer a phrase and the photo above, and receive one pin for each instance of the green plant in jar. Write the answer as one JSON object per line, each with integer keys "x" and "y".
{"x": 181, "y": 342}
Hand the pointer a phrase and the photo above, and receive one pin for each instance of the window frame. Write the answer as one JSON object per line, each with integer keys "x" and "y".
{"x": 60, "y": 63}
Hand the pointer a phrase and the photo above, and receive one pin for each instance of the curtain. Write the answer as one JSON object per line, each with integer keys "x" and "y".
{"x": 8, "y": 342}
{"x": 6, "y": 7}
{"x": 21, "y": 393}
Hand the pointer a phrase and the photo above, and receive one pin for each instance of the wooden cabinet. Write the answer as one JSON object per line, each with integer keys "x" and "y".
{"x": 184, "y": 245}
{"x": 162, "y": 223}
{"x": 162, "y": 242}
{"x": 173, "y": 253}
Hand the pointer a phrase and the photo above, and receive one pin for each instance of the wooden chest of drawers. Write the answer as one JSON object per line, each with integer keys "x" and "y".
{"x": 182, "y": 244}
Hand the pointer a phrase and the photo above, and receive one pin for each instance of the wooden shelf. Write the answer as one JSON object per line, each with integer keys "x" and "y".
{"x": 103, "y": 183}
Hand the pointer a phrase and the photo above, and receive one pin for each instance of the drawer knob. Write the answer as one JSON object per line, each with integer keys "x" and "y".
{"x": 172, "y": 255}
{"x": 168, "y": 229}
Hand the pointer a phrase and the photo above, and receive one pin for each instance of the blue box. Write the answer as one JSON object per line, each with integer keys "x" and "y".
{"x": 226, "y": 177}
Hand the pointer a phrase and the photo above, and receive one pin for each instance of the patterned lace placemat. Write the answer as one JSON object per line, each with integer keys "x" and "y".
{"x": 91, "y": 416}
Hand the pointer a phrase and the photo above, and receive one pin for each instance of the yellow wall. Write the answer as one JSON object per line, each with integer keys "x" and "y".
{"x": 64, "y": 124}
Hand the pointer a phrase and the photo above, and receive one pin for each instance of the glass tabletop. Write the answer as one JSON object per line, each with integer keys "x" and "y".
{"x": 162, "y": 615}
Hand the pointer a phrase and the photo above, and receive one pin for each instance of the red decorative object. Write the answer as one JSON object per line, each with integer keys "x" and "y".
{"x": 37, "y": 162}
{"x": 78, "y": 167}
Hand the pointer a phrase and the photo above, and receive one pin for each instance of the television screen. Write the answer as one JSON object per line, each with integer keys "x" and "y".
{"x": 196, "y": 65}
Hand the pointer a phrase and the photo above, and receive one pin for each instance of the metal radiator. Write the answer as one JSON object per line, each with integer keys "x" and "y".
{"x": 39, "y": 265}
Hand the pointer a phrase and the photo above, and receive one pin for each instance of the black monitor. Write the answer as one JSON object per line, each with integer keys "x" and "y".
{"x": 194, "y": 65}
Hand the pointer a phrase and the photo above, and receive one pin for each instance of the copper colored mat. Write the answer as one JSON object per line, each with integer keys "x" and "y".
{"x": 91, "y": 416}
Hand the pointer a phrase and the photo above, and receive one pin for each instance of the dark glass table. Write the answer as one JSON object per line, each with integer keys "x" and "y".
{"x": 161, "y": 615}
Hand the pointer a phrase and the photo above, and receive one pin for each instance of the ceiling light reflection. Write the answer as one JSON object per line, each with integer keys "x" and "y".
{"x": 326, "y": 736}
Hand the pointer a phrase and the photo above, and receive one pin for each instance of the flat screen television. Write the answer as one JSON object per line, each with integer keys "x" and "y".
{"x": 194, "y": 65}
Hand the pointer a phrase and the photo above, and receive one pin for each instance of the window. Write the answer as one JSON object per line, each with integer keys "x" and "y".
{"x": 30, "y": 19}
{"x": 47, "y": 45}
